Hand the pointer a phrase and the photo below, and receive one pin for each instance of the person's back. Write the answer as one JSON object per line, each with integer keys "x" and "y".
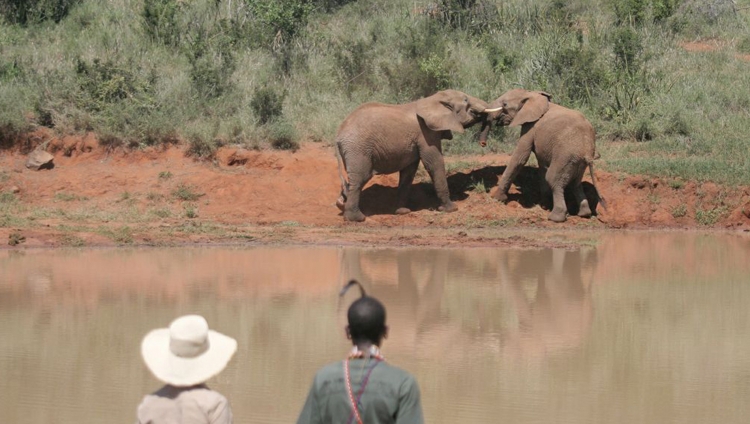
{"x": 184, "y": 405}
{"x": 363, "y": 388}
{"x": 391, "y": 395}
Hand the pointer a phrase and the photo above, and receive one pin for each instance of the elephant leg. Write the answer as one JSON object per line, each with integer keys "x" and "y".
{"x": 515, "y": 164}
{"x": 432, "y": 158}
{"x": 545, "y": 193}
{"x": 558, "y": 178}
{"x": 584, "y": 210}
{"x": 405, "y": 178}
{"x": 357, "y": 181}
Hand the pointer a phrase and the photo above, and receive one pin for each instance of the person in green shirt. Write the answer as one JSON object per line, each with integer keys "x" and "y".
{"x": 363, "y": 388}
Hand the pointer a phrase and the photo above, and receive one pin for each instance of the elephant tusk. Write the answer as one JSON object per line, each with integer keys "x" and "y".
{"x": 497, "y": 109}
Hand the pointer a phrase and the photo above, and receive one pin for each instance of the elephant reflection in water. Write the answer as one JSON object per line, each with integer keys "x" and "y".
{"x": 558, "y": 317}
{"x": 554, "y": 317}
{"x": 410, "y": 283}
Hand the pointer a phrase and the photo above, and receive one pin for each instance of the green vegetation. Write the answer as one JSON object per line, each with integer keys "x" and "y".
{"x": 186, "y": 193}
{"x": 262, "y": 73}
{"x": 68, "y": 197}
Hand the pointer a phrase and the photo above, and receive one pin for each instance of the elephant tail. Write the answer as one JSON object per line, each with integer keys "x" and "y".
{"x": 593, "y": 181}
{"x": 344, "y": 183}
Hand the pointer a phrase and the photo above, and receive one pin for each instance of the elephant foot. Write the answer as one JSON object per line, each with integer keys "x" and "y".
{"x": 402, "y": 211}
{"x": 584, "y": 211}
{"x": 354, "y": 216}
{"x": 557, "y": 216}
{"x": 448, "y": 207}
{"x": 340, "y": 202}
{"x": 500, "y": 196}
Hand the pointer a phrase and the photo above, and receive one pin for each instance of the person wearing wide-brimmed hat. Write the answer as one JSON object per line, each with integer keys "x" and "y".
{"x": 185, "y": 356}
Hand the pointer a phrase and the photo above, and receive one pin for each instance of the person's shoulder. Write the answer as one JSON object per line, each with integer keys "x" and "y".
{"x": 398, "y": 373}
{"x": 329, "y": 370}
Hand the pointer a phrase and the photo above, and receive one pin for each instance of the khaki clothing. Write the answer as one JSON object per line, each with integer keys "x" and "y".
{"x": 184, "y": 405}
{"x": 390, "y": 396}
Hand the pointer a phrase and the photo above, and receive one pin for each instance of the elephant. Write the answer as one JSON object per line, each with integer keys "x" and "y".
{"x": 562, "y": 140}
{"x": 379, "y": 138}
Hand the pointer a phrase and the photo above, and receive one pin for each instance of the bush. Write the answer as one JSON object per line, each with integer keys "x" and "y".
{"x": 280, "y": 20}
{"x": 267, "y": 104}
{"x": 282, "y": 136}
{"x": 474, "y": 16}
{"x": 627, "y": 47}
{"x": 352, "y": 58}
{"x": 29, "y": 12}
{"x": 212, "y": 62}
{"x": 744, "y": 45}
{"x": 501, "y": 59}
{"x": 578, "y": 73}
{"x": 107, "y": 83}
{"x": 160, "y": 20}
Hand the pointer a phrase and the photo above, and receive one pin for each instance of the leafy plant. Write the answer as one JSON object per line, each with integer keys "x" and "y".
{"x": 29, "y": 12}
{"x": 160, "y": 20}
{"x": 267, "y": 104}
{"x": 283, "y": 136}
{"x": 186, "y": 193}
{"x": 191, "y": 211}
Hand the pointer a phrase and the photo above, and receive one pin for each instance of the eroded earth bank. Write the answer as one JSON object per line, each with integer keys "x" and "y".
{"x": 93, "y": 196}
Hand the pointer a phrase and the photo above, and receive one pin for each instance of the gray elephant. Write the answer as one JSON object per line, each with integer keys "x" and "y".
{"x": 381, "y": 138}
{"x": 562, "y": 140}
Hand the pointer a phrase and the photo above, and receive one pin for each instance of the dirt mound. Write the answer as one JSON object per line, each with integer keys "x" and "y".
{"x": 96, "y": 196}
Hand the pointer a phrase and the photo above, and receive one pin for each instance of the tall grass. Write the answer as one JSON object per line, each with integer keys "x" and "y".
{"x": 256, "y": 72}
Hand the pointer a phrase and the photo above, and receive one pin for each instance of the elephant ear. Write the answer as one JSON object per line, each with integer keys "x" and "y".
{"x": 437, "y": 113}
{"x": 532, "y": 108}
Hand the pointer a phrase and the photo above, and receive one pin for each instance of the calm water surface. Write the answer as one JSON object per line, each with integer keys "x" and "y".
{"x": 638, "y": 328}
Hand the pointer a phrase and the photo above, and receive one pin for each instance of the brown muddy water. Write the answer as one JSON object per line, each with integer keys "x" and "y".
{"x": 635, "y": 328}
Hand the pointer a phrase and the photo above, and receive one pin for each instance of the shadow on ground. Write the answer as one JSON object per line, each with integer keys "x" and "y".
{"x": 381, "y": 200}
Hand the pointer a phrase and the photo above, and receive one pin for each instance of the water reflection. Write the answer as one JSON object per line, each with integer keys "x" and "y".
{"x": 643, "y": 327}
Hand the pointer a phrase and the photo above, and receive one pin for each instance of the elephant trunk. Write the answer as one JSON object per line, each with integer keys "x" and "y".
{"x": 486, "y": 127}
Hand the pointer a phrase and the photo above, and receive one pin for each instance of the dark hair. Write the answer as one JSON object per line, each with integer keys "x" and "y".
{"x": 366, "y": 316}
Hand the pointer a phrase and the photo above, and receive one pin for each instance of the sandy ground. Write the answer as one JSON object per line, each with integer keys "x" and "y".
{"x": 95, "y": 197}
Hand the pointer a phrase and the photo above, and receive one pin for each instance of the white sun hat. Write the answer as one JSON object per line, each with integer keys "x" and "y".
{"x": 187, "y": 353}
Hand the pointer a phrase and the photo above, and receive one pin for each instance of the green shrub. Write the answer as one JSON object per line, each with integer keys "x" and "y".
{"x": 282, "y": 136}
{"x": 201, "y": 146}
{"x": 354, "y": 64}
{"x": 663, "y": 9}
{"x": 186, "y": 193}
{"x": 267, "y": 104}
{"x": 106, "y": 82}
{"x": 28, "y": 12}
{"x": 212, "y": 62}
{"x": 160, "y": 20}
{"x": 630, "y": 11}
{"x": 501, "y": 60}
{"x": 577, "y": 72}
{"x": 474, "y": 16}
{"x": 627, "y": 47}
{"x": 280, "y": 20}
{"x": 743, "y": 46}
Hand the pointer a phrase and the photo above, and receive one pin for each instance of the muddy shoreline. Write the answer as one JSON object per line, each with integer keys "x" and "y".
{"x": 163, "y": 197}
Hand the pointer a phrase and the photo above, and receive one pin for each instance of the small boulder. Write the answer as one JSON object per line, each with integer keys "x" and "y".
{"x": 39, "y": 159}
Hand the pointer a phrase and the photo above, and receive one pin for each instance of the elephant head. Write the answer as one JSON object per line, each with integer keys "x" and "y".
{"x": 451, "y": 110}
{"x": 516, "y": 107}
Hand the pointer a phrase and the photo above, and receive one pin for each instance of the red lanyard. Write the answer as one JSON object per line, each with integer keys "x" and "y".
{"x": 355, "y": 401}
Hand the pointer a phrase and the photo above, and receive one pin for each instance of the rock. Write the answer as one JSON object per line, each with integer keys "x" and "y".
{"x": 39, "y": 159}
{"x": 15, "y": 189}
{"x": 746, "y": 210}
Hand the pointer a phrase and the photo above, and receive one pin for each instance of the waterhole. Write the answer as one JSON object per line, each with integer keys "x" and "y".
{"x": 630, "y": 328}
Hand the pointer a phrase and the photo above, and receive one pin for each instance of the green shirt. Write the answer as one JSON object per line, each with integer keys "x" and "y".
{"x": 390, "y": 396}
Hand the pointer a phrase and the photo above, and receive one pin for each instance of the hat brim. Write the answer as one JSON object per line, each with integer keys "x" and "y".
{"x": 184, "y": 372}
